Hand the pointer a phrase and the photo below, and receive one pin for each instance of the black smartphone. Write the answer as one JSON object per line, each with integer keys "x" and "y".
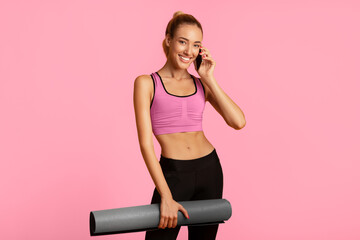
{"x": 198, "y": 60}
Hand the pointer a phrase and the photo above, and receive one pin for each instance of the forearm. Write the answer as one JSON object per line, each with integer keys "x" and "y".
{"x": 155, "y": 171}
{"x": 232, "y": 113}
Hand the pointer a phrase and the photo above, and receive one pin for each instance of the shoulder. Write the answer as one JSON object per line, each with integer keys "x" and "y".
{"x": 143, "y": 85}
{"x": 143, "y": 79}
{"x": 143, "y": 82}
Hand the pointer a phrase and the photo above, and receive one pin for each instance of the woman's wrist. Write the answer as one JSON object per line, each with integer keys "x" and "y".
{"x": 166, "y": 195}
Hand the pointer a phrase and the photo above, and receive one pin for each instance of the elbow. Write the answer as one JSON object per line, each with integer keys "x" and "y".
{"x": 236, "y": 124}
{"x": 240, "y": 125}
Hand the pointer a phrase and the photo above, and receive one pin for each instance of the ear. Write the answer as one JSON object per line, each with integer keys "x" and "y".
{"x": 167, "y": 40}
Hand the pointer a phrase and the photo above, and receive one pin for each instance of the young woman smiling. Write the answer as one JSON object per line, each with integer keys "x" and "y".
{"x": 170, "y": 104}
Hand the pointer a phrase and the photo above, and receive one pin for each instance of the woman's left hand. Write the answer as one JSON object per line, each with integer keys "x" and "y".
{"x": 207, "y": 65}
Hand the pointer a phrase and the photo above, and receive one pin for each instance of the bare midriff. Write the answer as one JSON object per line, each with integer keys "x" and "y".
{"x": 184, "y": 145}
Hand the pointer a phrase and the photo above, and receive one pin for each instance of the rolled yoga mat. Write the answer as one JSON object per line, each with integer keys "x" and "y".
{"x": 147, "y": 217}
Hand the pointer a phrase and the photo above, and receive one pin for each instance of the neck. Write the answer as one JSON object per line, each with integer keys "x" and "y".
{"x": 171, "y": 71}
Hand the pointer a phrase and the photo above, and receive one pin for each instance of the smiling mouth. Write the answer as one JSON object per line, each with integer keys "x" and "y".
{"x": 184, "y": 59}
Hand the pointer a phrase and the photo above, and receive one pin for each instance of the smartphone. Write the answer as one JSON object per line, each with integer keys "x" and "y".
{"x": 198, "y": 60}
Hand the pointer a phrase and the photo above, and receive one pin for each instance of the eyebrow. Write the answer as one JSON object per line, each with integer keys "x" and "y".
{"x": 188, "y": 40}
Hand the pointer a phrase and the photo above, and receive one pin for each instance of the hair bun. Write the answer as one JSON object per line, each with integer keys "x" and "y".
{"x": 178, "y": 13}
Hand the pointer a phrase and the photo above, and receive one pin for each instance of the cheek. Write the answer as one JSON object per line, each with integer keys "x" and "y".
{"x": 178, "y": 48}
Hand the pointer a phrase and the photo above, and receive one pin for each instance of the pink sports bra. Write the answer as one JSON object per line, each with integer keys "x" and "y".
{"x": 171, "y": 113}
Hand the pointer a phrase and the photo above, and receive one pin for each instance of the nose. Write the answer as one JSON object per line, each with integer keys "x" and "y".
{"x": 188, "y": 50}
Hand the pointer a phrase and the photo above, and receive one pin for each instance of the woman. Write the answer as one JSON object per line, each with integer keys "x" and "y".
{"x": 170, "y": 103}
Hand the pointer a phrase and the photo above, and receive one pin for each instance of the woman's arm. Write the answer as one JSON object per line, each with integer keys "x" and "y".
{"x": 142, "y": 99}
{"x": 223, "y": 104}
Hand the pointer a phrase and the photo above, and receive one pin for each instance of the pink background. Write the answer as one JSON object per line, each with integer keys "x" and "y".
{"x": 68, "y": 139}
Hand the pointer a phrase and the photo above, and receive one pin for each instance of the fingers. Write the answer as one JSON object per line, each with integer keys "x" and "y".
{"x": 205, "y": 52}
{"x": 163, "y": 222}
{"x": 183, "y": 210}
{"x": 175, "y": 223}
{"x": 170, "y": 222}
{"x": 168, "y": 218}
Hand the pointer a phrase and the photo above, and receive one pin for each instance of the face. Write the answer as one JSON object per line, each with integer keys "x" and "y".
{"x": 184, "y": 47}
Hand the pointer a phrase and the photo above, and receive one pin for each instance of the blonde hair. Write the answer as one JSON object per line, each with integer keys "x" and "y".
{"x": 179, "y": 18}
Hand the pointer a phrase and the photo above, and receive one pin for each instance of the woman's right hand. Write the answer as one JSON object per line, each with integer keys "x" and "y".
{"x": 168, "y": 212}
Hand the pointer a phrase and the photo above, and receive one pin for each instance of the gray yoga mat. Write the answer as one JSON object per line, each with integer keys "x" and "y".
{"x": 147, "y": 217}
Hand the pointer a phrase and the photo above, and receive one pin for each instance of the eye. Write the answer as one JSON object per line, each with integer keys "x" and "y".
{"x": 181, "y": 41}
{"x": 197, "y": 45}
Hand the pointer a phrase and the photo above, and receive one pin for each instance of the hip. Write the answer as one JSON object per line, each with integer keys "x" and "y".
{"x": 210, "y": 160}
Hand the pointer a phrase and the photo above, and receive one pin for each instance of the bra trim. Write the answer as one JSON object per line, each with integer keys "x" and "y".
{"x": 202, "y": 87}
{"x": 174, "y": 94}
{"x": 152, "y": 100}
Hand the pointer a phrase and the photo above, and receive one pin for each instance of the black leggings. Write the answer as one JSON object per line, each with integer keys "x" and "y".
{"x": 196, "y": 179}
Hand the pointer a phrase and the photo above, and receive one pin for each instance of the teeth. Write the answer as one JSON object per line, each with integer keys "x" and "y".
{"x": 186, "y": 59}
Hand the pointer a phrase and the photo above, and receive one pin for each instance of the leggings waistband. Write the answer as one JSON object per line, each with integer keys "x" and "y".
{"x": 170, "y": 164}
